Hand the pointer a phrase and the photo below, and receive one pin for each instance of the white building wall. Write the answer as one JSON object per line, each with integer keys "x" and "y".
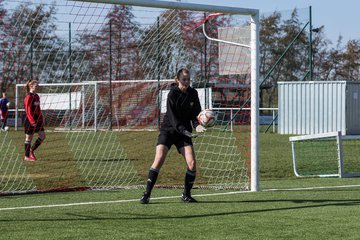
{"x": 318, "y": 107}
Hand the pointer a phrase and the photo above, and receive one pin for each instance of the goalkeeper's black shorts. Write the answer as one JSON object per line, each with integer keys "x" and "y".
{"x": 169, "y": 138}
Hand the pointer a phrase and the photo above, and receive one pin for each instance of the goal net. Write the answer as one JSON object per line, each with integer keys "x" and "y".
{"x": 326, "y": 155}
{"x": 86, "y": 106}
{"x": 104, "y": 71}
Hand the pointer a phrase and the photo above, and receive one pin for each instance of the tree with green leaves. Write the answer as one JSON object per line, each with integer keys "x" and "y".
{"x": 3, "y": 43}
{"x": 279, "y": 61}
{"x": 350, "y": 62}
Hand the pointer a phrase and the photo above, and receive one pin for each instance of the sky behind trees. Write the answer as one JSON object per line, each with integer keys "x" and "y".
{"x": 338, "y": 17}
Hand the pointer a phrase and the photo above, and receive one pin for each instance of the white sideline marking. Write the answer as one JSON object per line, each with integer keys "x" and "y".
{"x": 107, "y": 202}
{"x": 310, "y": 188}
{"x": 170, "y": 197}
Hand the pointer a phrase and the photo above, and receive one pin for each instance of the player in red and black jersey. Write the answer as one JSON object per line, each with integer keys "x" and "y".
{"x": 34, "y": 122}
{"x": 183, "y": 107}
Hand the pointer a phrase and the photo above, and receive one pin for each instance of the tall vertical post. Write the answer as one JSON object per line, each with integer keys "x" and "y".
{"x": 205, "y": 57}
{"x": 69, "y": 78}
{"x": 340, "y": 155}
{"x": 205, "y": 68}
{"x": 158, "y": 70}
{"x": 202, "y": 59}
{"x": 95, "y": 107}
{"x": 254, "y": 44}
{"x": 16, "y": 106}
{"x": 83, "y": 106}
{"x": 110, "y": 76}
{"x": 310, "y": 46}
{"x": 31, "y": 53}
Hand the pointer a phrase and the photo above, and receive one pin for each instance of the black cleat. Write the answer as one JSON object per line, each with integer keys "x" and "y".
{"x": 145, "y": 198}
{"x": 188, "y": 199}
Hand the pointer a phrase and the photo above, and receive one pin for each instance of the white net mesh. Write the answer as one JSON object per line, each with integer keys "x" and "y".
{"x": 102, "y": 69}
{"x": 326, "y": 155}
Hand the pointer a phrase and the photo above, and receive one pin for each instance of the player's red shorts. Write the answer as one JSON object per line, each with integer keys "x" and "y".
{"x": 3, "y": 114}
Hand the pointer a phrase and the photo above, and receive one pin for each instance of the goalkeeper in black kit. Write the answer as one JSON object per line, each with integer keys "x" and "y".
{"x": 183, "y": 107}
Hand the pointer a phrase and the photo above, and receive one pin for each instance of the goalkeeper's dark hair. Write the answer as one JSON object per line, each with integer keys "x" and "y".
{"x": 179, "y": 72}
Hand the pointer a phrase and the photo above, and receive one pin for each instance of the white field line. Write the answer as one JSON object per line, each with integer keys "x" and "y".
{"x": 311, "y": 188}
{"x": 169, "y": 197}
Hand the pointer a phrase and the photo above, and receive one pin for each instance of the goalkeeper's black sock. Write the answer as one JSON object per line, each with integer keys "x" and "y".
{"x": 27, "y": 148}
{"x": 153, "y": 174}
{"x": 189, "y": 181}
{"x": 36, "y": 144}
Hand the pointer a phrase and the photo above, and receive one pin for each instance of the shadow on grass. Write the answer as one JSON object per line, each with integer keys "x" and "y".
{"x": 320, "y": 203}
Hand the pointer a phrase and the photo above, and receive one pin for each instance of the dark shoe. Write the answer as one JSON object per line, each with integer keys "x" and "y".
{"x": 188, "y": 198}
{"x": 145, "y": 198}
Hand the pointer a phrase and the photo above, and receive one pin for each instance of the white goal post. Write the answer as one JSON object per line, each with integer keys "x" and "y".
{"x": 325, "y": 155}
{"x": 101, "y": 127}
{"x": 54, "y": 97}
{"x": 254, "y": 46}
{"x": 59, "y": 100}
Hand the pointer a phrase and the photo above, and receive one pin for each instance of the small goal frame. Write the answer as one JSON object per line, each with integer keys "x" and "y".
{"x": 94, "y": 84}
{"x": 340, "y": 156}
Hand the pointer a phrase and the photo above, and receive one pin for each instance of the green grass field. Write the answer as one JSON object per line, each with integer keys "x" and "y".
{"x": 285, "y": 208}
{"x": 320, "y": 213}
{"x": 122, "y": 158}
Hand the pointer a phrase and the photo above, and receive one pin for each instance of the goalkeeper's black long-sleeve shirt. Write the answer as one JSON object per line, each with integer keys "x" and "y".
{"x": 182, "y": 108}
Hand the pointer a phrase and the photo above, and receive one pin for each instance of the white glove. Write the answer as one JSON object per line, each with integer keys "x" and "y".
{"x": 200, "y": 129}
